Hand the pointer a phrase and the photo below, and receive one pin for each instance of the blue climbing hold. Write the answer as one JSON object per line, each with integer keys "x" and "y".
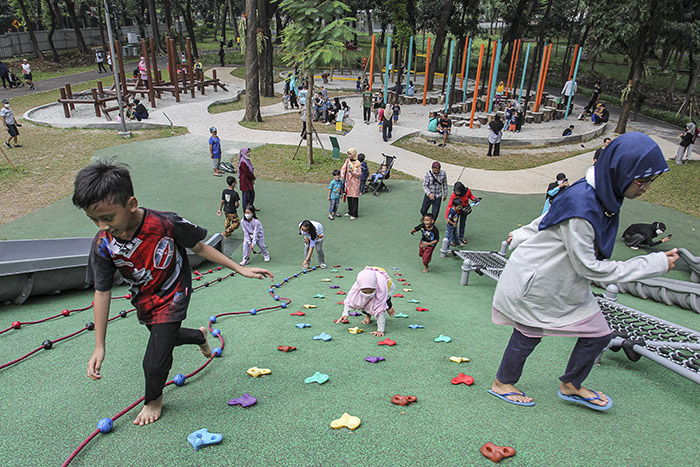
{"x": 201, "y": 438}
{"x": 323, "y": 337}
{"x": 271, "y": 290}
{"x": 216, "y": 352}
{"x": 216, "y": 332}
{"x": 105, "y": 425}
{"x": 302, "y": 325}
{"x": 313, "y": 268}
{"x": 284, "y": 305}
{"x": 179, "y": 379}
{"x": 212, "y": 319}
{"x": 415, "y": 326}
{"x": 253, "y": 311}
{"x": 304, "y": 271}
{"x": 296, "y": 275}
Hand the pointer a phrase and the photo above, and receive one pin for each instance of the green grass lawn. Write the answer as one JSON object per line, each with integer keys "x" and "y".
{"x": 291, "y": 122}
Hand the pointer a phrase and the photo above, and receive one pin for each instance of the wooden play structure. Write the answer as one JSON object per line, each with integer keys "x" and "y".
{"x": 182, "y": 77}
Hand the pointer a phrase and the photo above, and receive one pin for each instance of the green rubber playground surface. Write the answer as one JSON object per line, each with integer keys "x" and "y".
{"x": 48, "y": 406}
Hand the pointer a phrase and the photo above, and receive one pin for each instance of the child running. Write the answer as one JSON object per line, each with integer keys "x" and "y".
{"x": 313, "y": 239}
{"x": 335, "y": 188}
{"x": 429, "y": 238}
{"x": 253, "y": 234}
{"x": 229, "y": 204}
{"x": 149, "y": 250}
{"x": 370, "y": 293}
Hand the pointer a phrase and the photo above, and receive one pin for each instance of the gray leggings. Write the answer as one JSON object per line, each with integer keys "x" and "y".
{"x": 319, "y": 251}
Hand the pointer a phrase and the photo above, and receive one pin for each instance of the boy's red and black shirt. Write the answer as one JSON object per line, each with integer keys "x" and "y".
{"x": 154, "y": 262}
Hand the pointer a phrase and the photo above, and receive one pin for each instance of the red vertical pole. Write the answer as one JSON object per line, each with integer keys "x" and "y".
{"x": 476, "y": 88}
{"x": 427, "y": 65}
{"x": 510, "y": 67}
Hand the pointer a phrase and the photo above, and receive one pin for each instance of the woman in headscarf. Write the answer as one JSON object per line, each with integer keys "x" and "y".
{"x": 495, "y": 134}
{"x": 544, "y": 289}
{"x": 370, "y": 293}
{"x": 686, "y": 144}
{"x": 350, "y": 174}
{"x": 465, "y": 195}
{"x": 246, "y": 177}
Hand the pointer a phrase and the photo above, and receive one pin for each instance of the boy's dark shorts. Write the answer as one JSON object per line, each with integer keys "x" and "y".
{"x": 12, "y": 130}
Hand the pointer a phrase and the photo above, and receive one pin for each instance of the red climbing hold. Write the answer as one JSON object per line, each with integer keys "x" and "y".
{"x": 403, "y": 400}
{"x": 340, "y": 303}
{"x": 387, "y": 341}
{"x": 286, "y": 348}
{"x": 421, "y": 309}
{"x": 398, "y": 295}
{"x": 496, "y": 453}
{"x": 298, "y": 313}
{"x": 340, "y": 292}
{"x": 462, "y": 378}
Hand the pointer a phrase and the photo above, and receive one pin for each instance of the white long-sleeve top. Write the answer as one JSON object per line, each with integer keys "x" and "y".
{"x": 252, "y": 229}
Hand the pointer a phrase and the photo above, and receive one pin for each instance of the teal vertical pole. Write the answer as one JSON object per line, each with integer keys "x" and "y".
{"x": 571, "y": 96}
{"x": 522, "y": 80}
{"x": 466, "y": 72}
{"x": 410, "y": 56}
{"x": 449, "y": 75}
{"x": 386, "y": 69}
{"x": 495, "y": 75}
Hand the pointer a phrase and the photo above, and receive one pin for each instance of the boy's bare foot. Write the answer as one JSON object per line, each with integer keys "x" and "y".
{"x": 150, "y": 412}
{"x": 206, "y": 350}
{"x": 570, "y": 390}
{"x": 367, "y": 320}
{"x": 501, "y": 388}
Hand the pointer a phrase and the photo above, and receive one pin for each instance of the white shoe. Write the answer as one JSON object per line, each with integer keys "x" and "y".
{"x": 244, "y": 262}
{"x": 330, "y": 216}
{"x": 635, "y": 247}
{"x": 352, "y": 218}
{"x": 323, "y": 266}
{"x": 346, "y": 214}
{"x": 266, "y": 258}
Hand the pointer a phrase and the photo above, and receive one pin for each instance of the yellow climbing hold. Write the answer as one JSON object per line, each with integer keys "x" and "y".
{"x": 355, "y": 330}
{"x": 255, "y": 371}
{"x": 346, "y": 421}
{"x": 458, "y": 359}
{"x": 309, "y": 306}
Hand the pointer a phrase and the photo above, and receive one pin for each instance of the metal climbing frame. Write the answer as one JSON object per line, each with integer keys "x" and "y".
{"x": 638, "y": 334}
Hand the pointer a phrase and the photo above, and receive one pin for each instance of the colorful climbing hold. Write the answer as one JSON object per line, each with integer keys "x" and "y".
{"x": 105, "y": 425}
{"x": 335, "y": 286}
{"x": 246, "y": 400}
{"x": 323, "y": 337}
{"x": 355, "y": 313}
{"x": 375, "y": 359}
{"x": 415, "y": 326}
{"x": 387, "y": 341}
{"x": 286, "y": 348}
{"x": 339, "y": 277}
{"x": 400, "y": 315}
{"x": 355, "y": 330}
{"x": 307, "y": 306}
{"x": 408, "y": 290}
{"x": 179, "y": 379}
{"x": 462, "y": 378}
{"x": 318, "y": 295}
{"x": 403, "y": 400}
{"x": 496, "y": 453}
{"x": 413, "y": 300}
{"x": 443, "y": 338}
{"x": 421, "y": 309}
{"x": 340, "y": 292}
{"x": 397, "y": 295}
{"x": 297, "y": 313}
{"x": 201, "y": 438}
{"x": 255, "y": 371}
{"x": 318, "y": 377}
{"x": 302, "y": 325}
{"x": 325, "y": 280}
{"x": 459, "y": 359}
{"x": 346, "y": 421}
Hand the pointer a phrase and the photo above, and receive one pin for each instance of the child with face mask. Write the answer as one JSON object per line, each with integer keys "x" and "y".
{"x": 253, "y": 234}
{"x": 370, "y": 293}
{"x": 642, "y": 235}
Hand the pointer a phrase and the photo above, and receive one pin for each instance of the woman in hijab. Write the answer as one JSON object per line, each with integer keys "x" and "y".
{"x": 544, "y": 289}
{"x": 350, "y": 174}
{"x": 246, "y": 175}
{"x": 686, "y": 144}
{"x": 495, "y": 134}
{"x": 370, "y": 293}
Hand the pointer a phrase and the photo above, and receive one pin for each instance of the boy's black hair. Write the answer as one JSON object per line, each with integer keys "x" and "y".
{"x": 336, "y": 172}
{"x": 429, "y": 214}
{"x": 230, "y": 180}
{"x": 361, "y": 157}
{"x": 251, "y": 208}
{"x": 102, "y": 181}
{"x": 311, "y": 229}
{"x": 456, "y": 202}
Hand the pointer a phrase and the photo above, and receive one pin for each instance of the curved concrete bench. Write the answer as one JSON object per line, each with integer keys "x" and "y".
{"x": 577, "y": 138}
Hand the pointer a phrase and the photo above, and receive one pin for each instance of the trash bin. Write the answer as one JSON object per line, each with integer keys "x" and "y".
{"x": 336, "y": 148}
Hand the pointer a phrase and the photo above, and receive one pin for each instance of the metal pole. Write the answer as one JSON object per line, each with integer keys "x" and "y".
{"x": 410, "y": 56}
{"x": 449, "y": 75}
{"x": 573, "y": 84}
{"x": 466, "y": 72}
{"x": 114, "y": 71}
{"x": 522, "y": 80}
{"x": 427, "y": 65}
{"x": 386, "y": 69}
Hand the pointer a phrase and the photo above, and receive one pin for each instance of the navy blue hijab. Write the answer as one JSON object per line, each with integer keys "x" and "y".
{"x": 629, "y": 157}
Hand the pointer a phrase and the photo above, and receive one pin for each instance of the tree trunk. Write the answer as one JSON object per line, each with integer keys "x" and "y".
{"x": 439, "y": 41}
{"x": 370, "y": 27}
{"x": 217, "y": 20}
{"x": 672, "y": 86}
{"x": 189, "y": 23}
{"x": 52, "y": 18}
{"x": 252, "y": 90}
{"x": 223, "y": 22}
{"x": 267, "y": 78}
{"x": 30, "y": 28}
{"x": 234, "y": 20}
{"x": 637, "y": 68}
{"x": 279, "y": 26}
{"x": 70, "y": 6}
{"x": 565, "y": 69}
{"x": 100, "y": 22}
{"x": 309, "y": 121}
{"x": 168, "y": 12}
{"x": 691, "y": 90}
{"x": 153, "y": 16}
{"x": 691, "y": 63}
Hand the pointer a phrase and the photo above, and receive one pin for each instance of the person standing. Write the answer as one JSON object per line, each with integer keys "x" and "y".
{"x": 366, "y": 104}
{"x": 569, "y": 90}
{"x": 8, "y": 119}
{"x": 4, "y": 75}
{"x": 27, "y": 72}
{"x": 593, "y": 102}
{"x": 350, "y": 173}
{"x": 495, "y": 135}
{"x": 685, "y": 145}
{"x": 387, "y": 122}
{"x": 222, "y": 54}
{"x": 215, "y": 151}
{"x": 100, "y": 59}
{"x": 246, "y": 178}
{"x": 435, "y": 188}
{"x": 109, "y": 62}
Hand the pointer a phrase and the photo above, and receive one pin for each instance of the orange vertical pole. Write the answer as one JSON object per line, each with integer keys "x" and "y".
{"x": 427, "y": 65}
{"x": 464, "y": 61}
{"x": 493, "y": 61}
{"x": 476, "y": 88}
{"x": 510, "y": 67}
{"x": 544, "y": 77}
{"x": 573, "y": 62}
{"x": 515, "y": 65}
{"x": 371, "y": 65}
{"x": 539, "y": 75}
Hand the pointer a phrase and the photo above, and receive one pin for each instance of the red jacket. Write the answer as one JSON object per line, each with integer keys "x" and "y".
{"x": 245, "y": 178}
{"x": 468, "y": 196}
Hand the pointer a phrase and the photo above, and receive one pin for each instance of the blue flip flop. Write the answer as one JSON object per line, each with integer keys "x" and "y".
{"x": 587, "y": 400}
{"x": 504, "y": 397}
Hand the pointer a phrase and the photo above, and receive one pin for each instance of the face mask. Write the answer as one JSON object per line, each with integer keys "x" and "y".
{"x": 248, "y": 216}
{"x": 7, "y": 106}
{"x": 367, "y": 295}
{"x": 659, "y": 231}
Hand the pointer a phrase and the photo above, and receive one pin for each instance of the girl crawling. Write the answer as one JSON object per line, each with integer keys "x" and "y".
{"x": 370, "y": 293}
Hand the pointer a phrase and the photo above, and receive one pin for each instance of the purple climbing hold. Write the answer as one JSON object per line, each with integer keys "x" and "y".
{"x": 335, "y": 286}
{"x": 374, "y": 359}
{"x": 246, "y": 400}
{"x": 354, "y": 313}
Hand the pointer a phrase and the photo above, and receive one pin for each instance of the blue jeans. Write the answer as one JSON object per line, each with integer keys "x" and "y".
{"x": 427, "y": 203}
{"x": 450, "y": 231}
{"x": 462, "y": 226}
{"x": 363, "y": 181}
{"x": 334, "y": 206}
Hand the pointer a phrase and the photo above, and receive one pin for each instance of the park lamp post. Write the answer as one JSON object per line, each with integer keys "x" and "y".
{"x": 117, "y": 85}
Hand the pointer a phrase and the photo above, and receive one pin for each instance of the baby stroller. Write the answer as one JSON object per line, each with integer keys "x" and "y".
{"x": 15, "y": 82}
{"x": 376, "y": 186}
